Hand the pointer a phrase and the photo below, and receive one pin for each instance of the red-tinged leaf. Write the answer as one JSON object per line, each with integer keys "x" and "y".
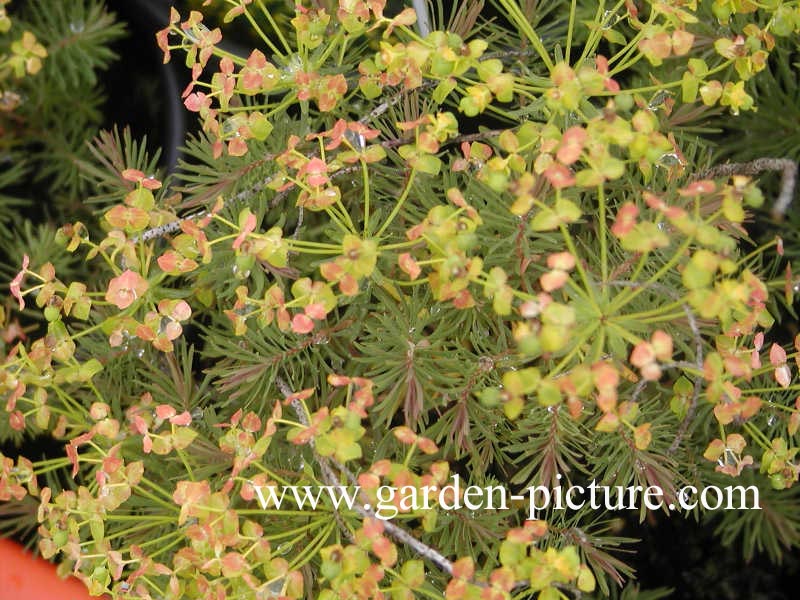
{"x": 17, "y": 422}
{"x": 651, "y": 372}
{"x": 165, "y": 411}
{"x": 385, "y": 550}
{"x": 302, "y": 324}
{"x": 463, "y": 568}
{"x": 183, "y": 419}
{"x": 181, "y": 311}
{"x": 609, "y": 422}
{"x": 72, "y": 454}
{"x": 519, "y": 535}
{"x": 559, "y": 176}
{"x": 331, "y": 271}
{"x": 237, "y": 146}
{"x": 654, "y": 201}
{"x": 783, "y": 375}
{"x": 191, "y": 492}
{"x": 339, "y": 380}
{"x": 735, "y": 442}
{"x": 777, "y": 355}
{"x": 626, "y": 219}
{"x": 751, "y": 406}
{"x": 369, "y": 481}
{"x": 151, "y": 183}
{"x": 572, "y": 143}
{"x": 17, "y": 282}
{"x": 553, "y": 280}
{"x": 134, "y": 175}
{"x": 657, "y": 47}
{"x": 174, "y": 264}
{"x": 233, "y": 564}
{"x": 699, "y": 188}
{"x": 316, "y": 310}
{"x": 561, "y": 260}
{"x": 405, "y": 435}
{"x": 682, "y": 42}
{"x": 714, "y": 450}
{"x": 372, "y": 528}
{"x": 316, "y": 172}
{"x": 409, "y": 265}
{"x": 196, "y": 101}
{"x": 607, "y": 400}
{"x": 642, "y": 354}
{"x": 662, "y": 345}
{"x": 530, "y": 309}
{"x": 427, "y": 445}
{"x": 605, "y": 375}
{"x": 794, "y": 423}
{"x": 758, "y": 341}
{"x": 416, "y": 231}
{"x": 464, "y": 300}
{"x": 302, "y": 395}
{"x": 349, "y": 285}
{"x": 502, "y": 580}
{"x": 248, "y": 226}
{"x": 125, "y": 289}
{"x": 642, "y": 436}
{"x": 138, "y": 424}
{"x": 128, "y": 218}
{"x": 456, "y": 588}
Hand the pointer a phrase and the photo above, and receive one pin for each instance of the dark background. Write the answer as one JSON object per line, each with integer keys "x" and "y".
{"x": 674, "y": 552}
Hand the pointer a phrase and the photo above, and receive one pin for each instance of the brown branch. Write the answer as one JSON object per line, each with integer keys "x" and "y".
{"x": 330, "y": 478}
{"x": 787, "y": 167}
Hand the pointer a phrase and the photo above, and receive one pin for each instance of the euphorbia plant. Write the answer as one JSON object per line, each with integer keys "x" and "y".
{"x": 353, "y": 284}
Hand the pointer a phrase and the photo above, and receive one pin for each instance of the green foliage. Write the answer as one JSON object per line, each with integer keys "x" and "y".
{"x": 50, "y": 97}
{"x": 394, "y": 258}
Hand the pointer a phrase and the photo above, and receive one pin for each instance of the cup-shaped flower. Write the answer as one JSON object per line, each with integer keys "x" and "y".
{"x": 125, "y": 289}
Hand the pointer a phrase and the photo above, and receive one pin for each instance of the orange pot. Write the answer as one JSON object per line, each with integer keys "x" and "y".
{"x": 26, "y": 577}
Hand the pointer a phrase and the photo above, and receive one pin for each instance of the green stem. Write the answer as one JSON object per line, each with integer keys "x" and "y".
{"x": 179, "y": 537}
{"x": 601, "y": 341}
{"x": 664, "y": 86}
{"x": 399, "y": 204}
{"x": 758, "y": 436}
{"x": 516, "y": 16}
{"x": 254, "y": 24}
{"x": 274, "y": 26}
{"x": 570, "y": 27}
{"x": 576, "y": 348}
{"x": 653, "y": 312}
{"x": 622, "y": 299}
{"x": 330, "y": 45}
{"x": 581, "y": 271}
{"x": 277, "y": 512}
{"x": 399, "y": 245}
{"x": 624, "y": 333}
{"x": 624, "y": 52}
{"x": 311, "y": 550}
{"x": 756, "y": 252}
{"x": 168, "y": 505}
{"x": 298, "y": 530}
{"x": 601, "y": 198}
{"x": 594, "y": 35}
{"x": 773, "y": 389}
{"x": 365, "y": 179}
